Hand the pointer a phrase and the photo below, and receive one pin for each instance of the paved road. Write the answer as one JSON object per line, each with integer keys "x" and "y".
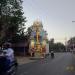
{"x": 62, "y": 64}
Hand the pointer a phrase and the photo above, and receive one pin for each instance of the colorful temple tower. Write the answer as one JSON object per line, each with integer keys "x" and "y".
{"x": 38, "y": 40}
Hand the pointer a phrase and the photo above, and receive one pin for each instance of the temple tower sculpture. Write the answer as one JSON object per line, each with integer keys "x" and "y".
{"x": 38, "y": 40}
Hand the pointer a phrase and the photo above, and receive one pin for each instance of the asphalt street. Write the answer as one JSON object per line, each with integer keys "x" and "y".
{"x": 61, "y": 64}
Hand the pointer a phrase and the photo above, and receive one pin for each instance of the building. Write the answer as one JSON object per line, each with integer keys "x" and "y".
{"x": 71, "y": 45}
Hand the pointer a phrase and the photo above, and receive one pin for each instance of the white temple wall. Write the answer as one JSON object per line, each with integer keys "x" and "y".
{"x": 47, "y": 48}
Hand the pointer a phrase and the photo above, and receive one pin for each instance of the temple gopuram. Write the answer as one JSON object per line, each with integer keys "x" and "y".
{"x": 39, "y": 45}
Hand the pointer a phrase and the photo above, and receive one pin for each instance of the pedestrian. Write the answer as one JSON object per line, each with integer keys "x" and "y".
{"x": 32, "y": 52}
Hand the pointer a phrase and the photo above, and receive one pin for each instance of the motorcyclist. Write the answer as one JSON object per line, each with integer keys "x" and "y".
{"x": 52, "y": 53}
{"x": 9, "y": 64}
{"x": 9, "y": 52}
{"x": 9, "y": 55}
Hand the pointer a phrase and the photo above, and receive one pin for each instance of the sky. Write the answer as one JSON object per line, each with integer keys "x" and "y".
{"x": 56, "y": 17}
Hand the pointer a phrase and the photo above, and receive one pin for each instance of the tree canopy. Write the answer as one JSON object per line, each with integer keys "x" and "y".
{"x": 12, "y": 21}
{"x": 57, "y": 47}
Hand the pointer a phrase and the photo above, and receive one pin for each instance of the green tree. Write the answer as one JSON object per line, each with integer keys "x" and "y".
{"x": 12, "y": 22}
{"x": 29, "y": 30}
{"x": 59, "y": 47}
{"x": 56, "y": 47}
{"x": 51, "y": 44}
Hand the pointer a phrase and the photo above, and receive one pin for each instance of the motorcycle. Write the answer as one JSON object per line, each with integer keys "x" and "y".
{"x": 52, "y": 54}
{"x": 9, "y": 69}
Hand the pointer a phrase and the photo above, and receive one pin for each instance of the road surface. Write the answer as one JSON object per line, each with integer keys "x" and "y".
{"x": 61, "y": 64}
